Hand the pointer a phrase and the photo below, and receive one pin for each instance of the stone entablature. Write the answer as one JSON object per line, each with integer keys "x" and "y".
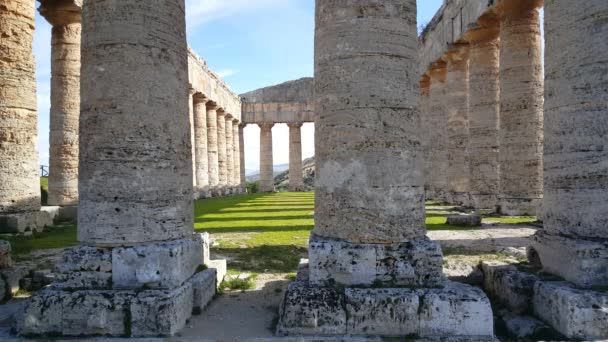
{"x": 289, "y": 102}
{"x": 205, "y": 81}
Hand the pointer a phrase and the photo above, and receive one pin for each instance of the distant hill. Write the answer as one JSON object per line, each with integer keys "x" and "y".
{"x": 254, "y": 175}
{"x": 281, "y": 181}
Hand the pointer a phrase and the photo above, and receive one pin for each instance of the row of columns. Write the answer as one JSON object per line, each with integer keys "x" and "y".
{"x": 216, "y": 144}
{"x": 295, "y": 158}
{"x": 485, "y": 97}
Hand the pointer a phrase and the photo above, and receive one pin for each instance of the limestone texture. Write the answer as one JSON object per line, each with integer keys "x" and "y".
{"x": 200, "y": 142}
{"x": 508, "y": 286}
{"x": 266, "y": 165}
{"x": 457, "y": 98}
{"x": 236, "y": 157}
{"x": 212, "y": 147}
{"x": 575, "y": 239}
{"x": 521, "y": 107}
{"x": 438, "y": 153}
{"x": 369, "y": 164}
{"x": 221, "y": 150}
{"x": 65, "y": 18}
{"x": 242, "y": 175}
{"x": 574, "y": 313}
{"x": 19, "y": 174}
{"x": 484, "y": 111}
{"x": 135, "y": 139}
{"x": 204, "y": 289}
{"x": 295, "y": 157}
{"x": 229, "y": 154}
{"x": 425, "y": 127}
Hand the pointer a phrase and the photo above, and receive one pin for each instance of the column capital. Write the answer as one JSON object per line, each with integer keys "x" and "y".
{"x": 457, "y": 53}
{"x": 220, "y": 112}
{"x": 200, "y": 98}
{"x": 513, "y": 8}
{"x": 229, "y": 117}
{"x": 295, "y": 124}
{"x": 212, "y": 105}
{"x": 266, "y": 126}
{"x": 61, "y": 12}
{"x": 242, "y": 125}
{"x": 480, "y": 34}
{"x": 438, "y": 72}
{"x": 235, "y": 122}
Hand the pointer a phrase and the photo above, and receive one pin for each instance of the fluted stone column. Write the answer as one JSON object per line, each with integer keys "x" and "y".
{"x": 221, "y": 152}
{"x": 521, "y": 107}
{"x": 133, "y": 276}
{"x": 458, "y": 124}
{"x": 242, "y": 176}
{"x": 426, "y": 129}
{"x": 574, "y": 241}
{"x": 295, "y": 157}
{"x": 266, "y": 164}
{"x": 484, "y": 111}
{"x": 19, "y": 166}
{"x": 229, "y": 154}
{"x": 438, "y": 142}
{"x": 212, "y": 147}
{"x": 65, "y": 18}
{"x": 200, "y": 144}
{"x": 236, "y": 171}
{"x": 191, "y": 93}
{"x": 369, "y": 244}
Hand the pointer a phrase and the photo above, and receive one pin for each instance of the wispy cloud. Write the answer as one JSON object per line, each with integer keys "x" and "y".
{"x": 226, "y": 73}
{"x": 199, "y": 12}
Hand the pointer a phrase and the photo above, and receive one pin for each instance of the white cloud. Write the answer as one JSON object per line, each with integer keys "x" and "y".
{"x": 226, "y": 73}
{"x": 199, "y": 12}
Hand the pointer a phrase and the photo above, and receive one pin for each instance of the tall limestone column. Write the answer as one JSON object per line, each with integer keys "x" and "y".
{"x": 521, "y": 107}
{"x": 574, "y": 241}
{"x": 191, "y": 93}
{"x": 133, "y": 273}
{"x": 19, "y": 166}
{"x": 242, "y": 176}
{"x": 236, "y": 172}
{"x": 369, "y": 245}
{"x": 266, "y": 166}
{"x": 295, "y": 157}
{"x": 229, "y": 155}
{"x": 65, "y": 17}
{"x": 221, "y": 152}
{"x": 438, "y": 142}
{"x": 212, "y": 148}
{"x": 484, "y": 111}
{"x": 458, "y": 124}
{"x": 200, "y": 144}
{"x": 426, "y": 129}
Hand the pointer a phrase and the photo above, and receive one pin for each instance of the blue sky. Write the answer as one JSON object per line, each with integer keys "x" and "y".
{"x": 249, "y": 43}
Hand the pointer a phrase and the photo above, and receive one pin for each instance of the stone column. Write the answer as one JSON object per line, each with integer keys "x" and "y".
{"x": 229, "y": 154}
{"x": 19, "y": 165}
{"x": 369, "y": 245}
{"x": 426, "y": 129}
{"x": 192, "y": 135}
{"x": 295, "y": 157}
{"x": 438, "y": 119}
{"x": 521, "y": 108}
{"x": 484, "y": 111}
{"x": 236, "y": 171}
{"x": 133, "y": 274}
{"x": 242, "y": 176}
{"x": 65, "y": 17}
{"x": 221, "y": 152}
{"x": 574, "y": 242}
{"x": 212, "y": 148}
{"x": 200, "y": 143}
{"x": 458, "y": 123}
{"x": 266, "y": 164}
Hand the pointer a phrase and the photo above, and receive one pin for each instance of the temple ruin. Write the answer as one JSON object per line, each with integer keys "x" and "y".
{"x": 468, "y": 112}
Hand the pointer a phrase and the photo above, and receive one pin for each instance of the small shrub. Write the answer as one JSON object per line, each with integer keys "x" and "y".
{"x": 252, "y": 187}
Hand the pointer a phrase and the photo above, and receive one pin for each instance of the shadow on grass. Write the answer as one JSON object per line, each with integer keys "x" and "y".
{"x": 260, "y": 259}
{"x": 253, "y": 218}
{"x": 61, "y": 235}
{"x": 255, "y": 229}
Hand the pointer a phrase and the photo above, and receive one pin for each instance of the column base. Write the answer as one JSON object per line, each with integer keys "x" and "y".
{"x": 520, "y": 206}
{"x": 582, "y": 262}
{"x": 417, "y": 262}
{"x": 28, "y": 222}
{"x": 455, "y": 310}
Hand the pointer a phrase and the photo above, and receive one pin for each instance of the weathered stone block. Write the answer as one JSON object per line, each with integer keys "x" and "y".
{"x": 524, "y": 326}
{"x": 464, "y": 220}
{"x": 510, "y": 287}
{"x": 382, "y": 312}
{"x": 5, "y": 254}
{"x": 204, "y": 285}
{"x": 164, "y": 265}
{"x": 83, "y": 280}
{"x": 85, "y": 259}
{"x": 161, "y": 313}
{"x": 489, "y": 269}
{"x": 582, "y": 262}
{"x": 221, "y": 268}
{"x": 414, "y": 263}
{"x": 577, "y": 314}
{"x": 34, "y": 221}
{"x": 12, "y": 277}
{"x": 455, "y": 310}
{"x": 463, "y": 272}
{"x": 312, "y": 311}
